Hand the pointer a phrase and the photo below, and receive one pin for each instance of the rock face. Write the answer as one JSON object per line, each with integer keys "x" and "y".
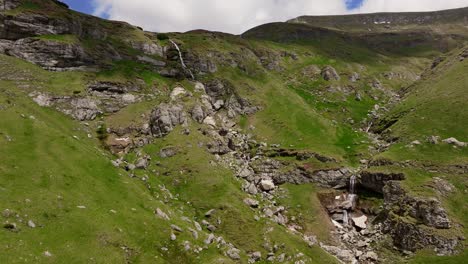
{"x": 9, "y": 4}
{"x": 376, "y": 181}
{"x": 31, "y": 24}
{"x": 221, "y": 90}
{"x": 166, "y": 117}
{"x": 427, "y": 211}
{"x": 404, "y": 216}
{"x": 49, "y": 54}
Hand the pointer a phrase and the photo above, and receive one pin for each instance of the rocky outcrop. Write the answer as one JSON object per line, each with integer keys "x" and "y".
{"x": 427, "y": 211}
{"x": 78, "y": 107}
{"x": 376, "y": 181}
{"x": 223, "y": 94}
{"x": 28, "y": 24}
{"x": 409, "y": 236}
{"x": 166, "y": 117}
{"x": 148, "y": 48}
{"x": 48, "y": 53}
{"x": 9, "y": 4}
{"x": 413, "y": 222}
{"x": 112, "y": 87}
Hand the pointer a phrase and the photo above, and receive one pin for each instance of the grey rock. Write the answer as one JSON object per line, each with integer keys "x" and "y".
{"x": 165, "y": 118}
{"x": 233, "y": 253}
{"x": 149, "y": 48}
{"x": 5, "y": 45}
{"x": 168, "y": 152}
{"x": 354, "y": 77}
{"x": 197, "y": 113}
{"x": 49, "y": 54}
{"x": 251, "y": 202}
{"x": 176, "y": 228}
{"x": 455, "y": 142}
{"x": 329, "y": 74}
{"x": 442, "y": 186}
{"x": 210, "y": 213}
{"x": 162, "y": 214}
{"x": 267, "y": 185}
{"x": 209, "y": 240}
{"x": 31, "y": 224}
{"x": 255, "y": 256}
{"x": 142, "y": 163}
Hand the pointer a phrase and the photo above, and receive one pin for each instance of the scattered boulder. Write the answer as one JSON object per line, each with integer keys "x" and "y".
{"x": 255, "y": 256}
{"x": 329, "y": 74}
{"x": 267, "y": 185}
{"x": 162, "y": 214}
{"x": 209, "y": 240}
{"x": 31, "y": 224}
{"x": 233, "y": 253}
{"x": 177, "y": 228}
{"x": 311, "y": 71}
{"x": 142, "y": 163}
{"x": 354, "y": 77}
{"x": 168, "y": 152}
{"x": 455, "y": 142}
{"x": 251, "y": 202}
{"x": 360, "y": 222}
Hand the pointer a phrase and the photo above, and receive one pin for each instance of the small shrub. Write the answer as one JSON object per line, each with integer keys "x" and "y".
{"x": 102, "y": 133}
{"x": 162, "y": 36}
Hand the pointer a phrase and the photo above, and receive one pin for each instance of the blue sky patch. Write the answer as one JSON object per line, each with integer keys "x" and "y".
{"x": 353, "y": 4}
{"x": 83, "y": 6}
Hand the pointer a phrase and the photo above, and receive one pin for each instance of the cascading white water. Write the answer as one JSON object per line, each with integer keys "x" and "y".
{"x": 182, "y": 59}
{"x": 351, "y": 198}
{"x": 345, "y": 217}
{"x": 352, "y": 185}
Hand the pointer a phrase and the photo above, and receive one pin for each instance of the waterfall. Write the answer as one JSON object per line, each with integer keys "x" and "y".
{"x": 184, "y": 66}
{"x": 345, "y": 218}
{"x": 352, "y": 191}
{"x": 352, "y": 185}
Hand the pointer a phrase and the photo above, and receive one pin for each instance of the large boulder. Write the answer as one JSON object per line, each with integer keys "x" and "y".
{"x": 166, "y": 117}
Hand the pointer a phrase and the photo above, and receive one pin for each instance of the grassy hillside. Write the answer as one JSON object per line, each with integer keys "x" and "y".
{"x": 318, "y": 86}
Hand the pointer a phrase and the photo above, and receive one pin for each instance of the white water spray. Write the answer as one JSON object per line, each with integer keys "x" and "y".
{"x": 184, "y": 66}
{"x": 345, "y": 218}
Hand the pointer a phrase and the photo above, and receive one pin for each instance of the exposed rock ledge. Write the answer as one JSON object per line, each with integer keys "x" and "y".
{"x": 413, "y": 222}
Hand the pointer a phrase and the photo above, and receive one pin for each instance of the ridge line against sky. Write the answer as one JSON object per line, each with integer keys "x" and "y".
{"x": 237, "y": 16}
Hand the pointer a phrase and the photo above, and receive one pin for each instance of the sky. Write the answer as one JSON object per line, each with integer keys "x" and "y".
{"x": 237, "y": 16}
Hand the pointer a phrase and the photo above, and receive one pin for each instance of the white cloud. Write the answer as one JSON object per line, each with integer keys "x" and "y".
{"x": 236, "y": 16}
